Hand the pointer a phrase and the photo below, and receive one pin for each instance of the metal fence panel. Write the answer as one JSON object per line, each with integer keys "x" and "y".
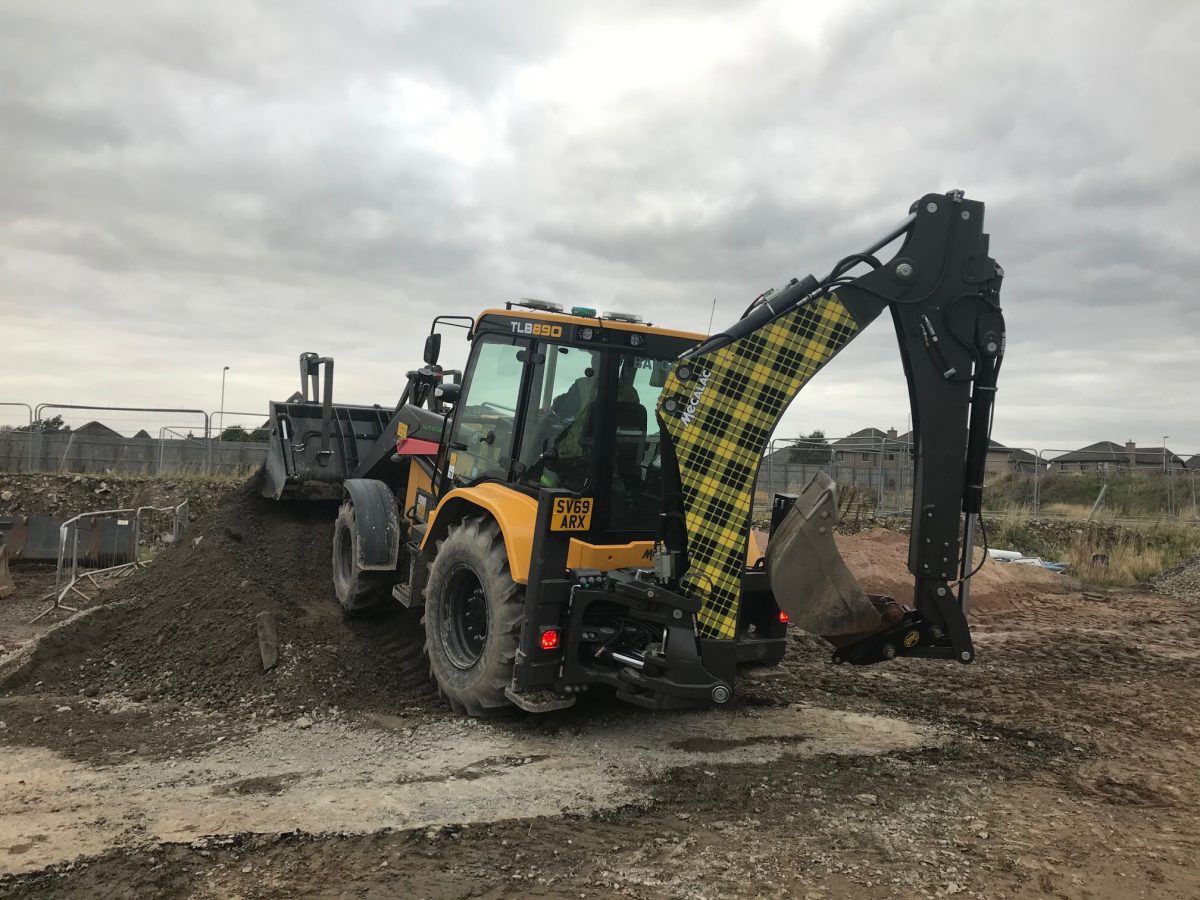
{"x": 17, "y": 449}
{"x": 1022, "y": 482}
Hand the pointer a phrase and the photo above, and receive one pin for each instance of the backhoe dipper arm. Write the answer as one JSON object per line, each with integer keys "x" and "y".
{"x": 724, "y": 398}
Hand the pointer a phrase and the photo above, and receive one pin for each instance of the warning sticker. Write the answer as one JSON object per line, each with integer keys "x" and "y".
{"x": 571, "y": 514}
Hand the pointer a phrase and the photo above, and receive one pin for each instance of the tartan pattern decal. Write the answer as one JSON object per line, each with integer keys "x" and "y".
{"x": 720, "y": 410}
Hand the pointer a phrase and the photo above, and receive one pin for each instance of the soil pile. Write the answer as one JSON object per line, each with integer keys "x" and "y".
{"x": 50, "y": 494}
{"x": 1183, "y": 581}
{"x": 183, "y": 629}
{"x": 879, "y": 560}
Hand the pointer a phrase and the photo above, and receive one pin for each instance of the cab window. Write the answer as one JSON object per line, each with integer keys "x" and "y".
{"x": 481, "y": 443}
{"x": 637, "y": 482}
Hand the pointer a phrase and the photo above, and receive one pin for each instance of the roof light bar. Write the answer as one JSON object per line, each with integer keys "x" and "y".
{"x": 622, "y": 317}
{"x": 543, "y": 305}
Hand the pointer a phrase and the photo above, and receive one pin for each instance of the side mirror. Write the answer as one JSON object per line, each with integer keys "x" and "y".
{"x": 433, "y": 348}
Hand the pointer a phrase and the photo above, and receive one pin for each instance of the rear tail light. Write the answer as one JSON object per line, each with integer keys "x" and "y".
{"x": 783, "y": 617}
{"x": 550, "y": 639}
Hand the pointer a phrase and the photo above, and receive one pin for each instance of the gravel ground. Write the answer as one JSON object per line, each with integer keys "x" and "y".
{"x": 1183, "y": 581}
{"x": 147, "y": 754}
{"x": 1063, "y": 764}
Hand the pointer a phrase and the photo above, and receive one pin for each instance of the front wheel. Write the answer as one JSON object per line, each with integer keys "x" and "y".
{"x": 473, "y": 612}
{"x": 359, "y": 591}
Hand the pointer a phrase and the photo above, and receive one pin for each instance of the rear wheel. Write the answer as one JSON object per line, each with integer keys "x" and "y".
{"x": 359, "y": 591}
{"x": 473, "y": 613}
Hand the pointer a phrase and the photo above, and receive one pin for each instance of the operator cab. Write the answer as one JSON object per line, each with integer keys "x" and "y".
{"x": 554, "y": 400}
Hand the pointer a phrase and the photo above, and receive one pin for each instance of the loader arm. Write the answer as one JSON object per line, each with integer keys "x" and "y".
{"x": 724, "y": 398}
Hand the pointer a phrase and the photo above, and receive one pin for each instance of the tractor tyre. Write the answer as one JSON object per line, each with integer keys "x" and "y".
{"x": 473, "y": 614}
{"x": 359, "y": 591}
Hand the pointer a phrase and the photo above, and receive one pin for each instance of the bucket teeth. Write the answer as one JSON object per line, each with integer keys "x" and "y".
{"x": 808, "y": 576}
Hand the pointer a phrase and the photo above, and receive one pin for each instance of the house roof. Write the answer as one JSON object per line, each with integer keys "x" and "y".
{"x": 96, "y": 429}
{"x": 1013, "y": 453}
{"x": 868, "y": 439}
{"x": 1109, "y": 451}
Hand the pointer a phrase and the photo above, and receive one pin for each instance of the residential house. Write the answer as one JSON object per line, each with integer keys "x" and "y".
{"x": 1002, "y": 460}
{"x": 862, "y": 449}
{"x": 1107, "y": 455}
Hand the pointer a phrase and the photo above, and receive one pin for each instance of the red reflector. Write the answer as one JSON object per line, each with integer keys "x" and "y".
{"x": 783, "y": 617}
{"x": 550, "y": 639}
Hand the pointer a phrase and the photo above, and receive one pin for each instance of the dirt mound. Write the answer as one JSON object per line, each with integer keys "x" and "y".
{"x": 1182, "y": 581}
{"x": 879, "y": 560}
{"x": 183, "y": 629}
{"x": 51, "y": 494}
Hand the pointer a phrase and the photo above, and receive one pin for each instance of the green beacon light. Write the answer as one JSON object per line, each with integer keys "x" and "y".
{"x": 586, "y": 311}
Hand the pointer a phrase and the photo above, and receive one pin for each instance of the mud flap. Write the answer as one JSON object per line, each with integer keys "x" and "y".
{"x": 808, "y": 576}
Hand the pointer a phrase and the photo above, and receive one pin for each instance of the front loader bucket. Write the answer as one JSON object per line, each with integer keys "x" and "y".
{"x": 313, "y": 448}
{"x": 808, "y": 576}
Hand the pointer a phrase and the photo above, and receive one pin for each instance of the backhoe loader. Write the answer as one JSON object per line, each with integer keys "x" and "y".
{"x": 572, "y": 510}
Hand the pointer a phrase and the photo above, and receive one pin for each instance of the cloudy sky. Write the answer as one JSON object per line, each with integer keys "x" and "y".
{"x": 193, "y": 185}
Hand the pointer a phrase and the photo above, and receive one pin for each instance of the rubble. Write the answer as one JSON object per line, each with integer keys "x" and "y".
{"x": 65, "y": 495}
{"x": 1182, "y": 582}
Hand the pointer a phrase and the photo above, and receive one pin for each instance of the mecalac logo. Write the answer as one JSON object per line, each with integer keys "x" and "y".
{"x": 689, "y": 411}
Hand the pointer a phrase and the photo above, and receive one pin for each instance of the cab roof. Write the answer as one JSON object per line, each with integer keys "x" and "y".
{"x": 594, "y": 321}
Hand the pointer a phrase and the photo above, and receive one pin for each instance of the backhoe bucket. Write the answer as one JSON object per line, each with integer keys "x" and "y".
{"x": 808, "y": 576}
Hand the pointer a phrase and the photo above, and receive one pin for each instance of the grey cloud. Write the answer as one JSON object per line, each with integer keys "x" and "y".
{"x": 202, "y": 177}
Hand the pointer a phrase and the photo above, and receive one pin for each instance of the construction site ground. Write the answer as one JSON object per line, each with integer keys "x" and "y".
{"x": 146, "y": 753}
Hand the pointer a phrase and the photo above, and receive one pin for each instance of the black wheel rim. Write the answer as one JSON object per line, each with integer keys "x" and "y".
{"x": 464, "y": 618}
{"x": 345, "y": 549}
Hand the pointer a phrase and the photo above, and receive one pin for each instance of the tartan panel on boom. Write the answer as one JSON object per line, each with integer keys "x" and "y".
{"x": 720, "y": 410}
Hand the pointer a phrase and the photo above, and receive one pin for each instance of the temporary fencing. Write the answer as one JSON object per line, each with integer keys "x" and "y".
{"x": 65, "y": 437}
{"x": 19, "y": 424}
{"x": 1146, "y": 484}
{"x": 119, "y": 555}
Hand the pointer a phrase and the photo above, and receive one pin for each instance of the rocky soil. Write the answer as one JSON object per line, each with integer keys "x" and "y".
{"x": 148, "y": 754}
{"x": 63, "y": 496}
{"x": 1183, "y": 581}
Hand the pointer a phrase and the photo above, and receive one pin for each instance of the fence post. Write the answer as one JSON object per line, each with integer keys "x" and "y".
{"x": 879, "y": 476}
{"x": 1037, "y": 484}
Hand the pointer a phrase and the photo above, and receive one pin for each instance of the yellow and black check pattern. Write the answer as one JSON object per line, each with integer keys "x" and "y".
{"x": 720, "y": 410}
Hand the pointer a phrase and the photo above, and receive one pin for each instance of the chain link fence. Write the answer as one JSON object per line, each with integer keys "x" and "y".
{"x": 876, "y": 472}
{"x": 65, "y": 437}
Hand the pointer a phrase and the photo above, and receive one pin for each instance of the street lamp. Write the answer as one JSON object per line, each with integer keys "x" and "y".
{"x": 222, "y": 425}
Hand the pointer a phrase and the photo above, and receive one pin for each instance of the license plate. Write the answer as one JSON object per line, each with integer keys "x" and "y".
{"x": 571, "y": 514}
